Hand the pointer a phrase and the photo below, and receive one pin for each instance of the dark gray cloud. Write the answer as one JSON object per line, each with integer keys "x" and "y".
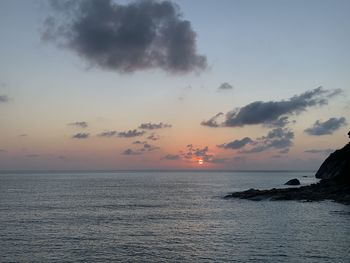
{"x": 236, "y": 144}
{"x": 322, "y": 151}
{"x": 2, "y": 151}
{"x": 327, "y": 127}
{"x": 81, "y": 136}
{"x": 278, "y": 138}
{"x": 107, "y": 134}
{"x": 79, "y": 124}
{"x": 154, "y": 126}
{"x": 23, "y": 135}
{"x": 126, "y": 38}
{"x": 212, "y": 122}
{"x": 267, "y": 113}
{"x": 153, "y": 137}
{"x": 131, "y": 133}
{"x": 225, "y": 86}
{"x": 171, "y": 157}
{"x": 130, "y": 152}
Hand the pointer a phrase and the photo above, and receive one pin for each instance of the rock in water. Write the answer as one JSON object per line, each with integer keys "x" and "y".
{"x": 336, "y": 166}
{"x": 334, "y": 184}
{"x": 293, "y": 182}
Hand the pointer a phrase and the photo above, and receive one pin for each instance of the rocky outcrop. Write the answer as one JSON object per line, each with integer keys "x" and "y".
{"x": 294, "y": 181}
{"x": 336, "y": 166}
{"x": 334, "y": 185}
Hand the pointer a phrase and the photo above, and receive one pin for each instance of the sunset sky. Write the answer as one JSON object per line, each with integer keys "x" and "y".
{"x": 229, "y": 84}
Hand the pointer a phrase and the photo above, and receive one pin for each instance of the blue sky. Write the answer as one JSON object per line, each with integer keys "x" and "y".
{"x": 266, "y": 50}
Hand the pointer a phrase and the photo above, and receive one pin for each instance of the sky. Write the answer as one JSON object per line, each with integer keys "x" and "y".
{"x": 229, "y": 84}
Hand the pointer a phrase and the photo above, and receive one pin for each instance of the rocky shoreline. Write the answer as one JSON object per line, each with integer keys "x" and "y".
{"x": 334, "y": 185}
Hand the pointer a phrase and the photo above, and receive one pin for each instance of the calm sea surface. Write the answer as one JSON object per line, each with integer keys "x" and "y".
{"x": 164, "y": 217}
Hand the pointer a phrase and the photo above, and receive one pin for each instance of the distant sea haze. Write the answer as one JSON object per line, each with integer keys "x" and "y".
{"x": 177, "y": 216}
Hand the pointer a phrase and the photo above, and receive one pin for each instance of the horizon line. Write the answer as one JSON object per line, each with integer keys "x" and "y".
{"x": 13, "y": 171}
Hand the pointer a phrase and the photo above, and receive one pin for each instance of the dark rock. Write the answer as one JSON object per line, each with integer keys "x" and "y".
{"x": 336, "y": 166}
{"x": 334, "y": 185}
{"x": 293, "y": 182}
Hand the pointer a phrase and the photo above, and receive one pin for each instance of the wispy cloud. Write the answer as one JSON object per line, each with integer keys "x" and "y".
{"x": 146, "y": 148}
{"x": 153, "y": 137}
{"x": 236, "y": 144}
{"x": 131, "y": 152}
{"x": 225, "y": 86}
{"x": 81, "y": 136}
{"x": 139, "y": 142}
{"x": 171, "y": 157}
{"x": 154, "y": 126}
{"x": 79, "y": 124}
{"x": 328, "y": 127}
{"x": 126, "y": 38}
{"x": 131, "y": 133}
{"x": 107, "y": 134}
{"x": 212, "y": 122}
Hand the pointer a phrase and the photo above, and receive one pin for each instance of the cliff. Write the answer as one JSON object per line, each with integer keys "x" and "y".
{"x": 336, "y": 166}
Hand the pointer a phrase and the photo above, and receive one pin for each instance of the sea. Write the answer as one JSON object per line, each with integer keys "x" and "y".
{"x": 164, "y": 216}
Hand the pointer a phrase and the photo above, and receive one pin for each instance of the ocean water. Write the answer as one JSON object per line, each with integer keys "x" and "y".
{"x": 164, "y": 217}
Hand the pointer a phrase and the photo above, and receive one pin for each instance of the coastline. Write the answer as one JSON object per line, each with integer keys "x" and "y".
{"x": 334, "y": 185}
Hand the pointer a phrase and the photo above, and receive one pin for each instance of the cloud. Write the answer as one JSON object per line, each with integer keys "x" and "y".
{"x": 149, "y": 148}
{"x": 131, "y": 133}
{"x": 139, "y": 142}
{"x": 171, "y": 157}
{"x": 23, "y": 135}
{"x": 130, "y": 152}
{"x": 236, "y": 144}
{"x": 79, "y": 124}
{"x": 153, "y": 137}
{"x": 81, "y": 136}
{"x": 145, "y": 148}
{"x": 153, "y": 126}
{"x": 225, "y": 86}
{"x": 322, "y": 151}
{"x": 2, "y": 151}
{"x": 270, "y": 112}
{"x": 278, "y": 138}
{"x": 125, "y": 38}
{"x": 4, "y": 98}
{"x": 212, "y": 122}
{"x": 107, "y": 134}
{"x": 193, "y": 153}
{"x": 328, "y": 127}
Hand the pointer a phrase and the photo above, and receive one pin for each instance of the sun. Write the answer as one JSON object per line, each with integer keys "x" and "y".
{"x": 200, "y": 161}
